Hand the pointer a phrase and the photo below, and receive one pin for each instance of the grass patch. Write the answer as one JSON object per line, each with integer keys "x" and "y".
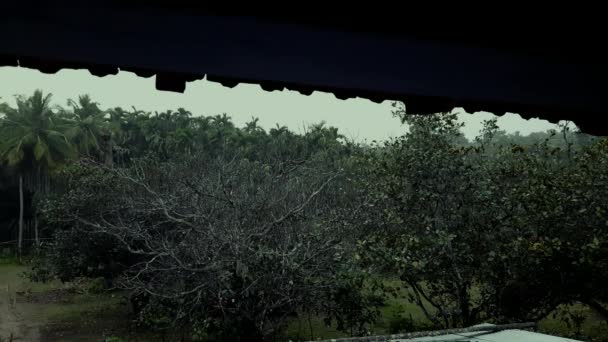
{"x": 56, "y": 309}
{"x": 590, "y": 326}
{"x": 70, "y": 316}
{"x": 12, "y": 275}
{"x": 9, "y": 260}
{"x": 63, "y": 314}
{"x": 397, "y": 307}
{"x": 82, "y": 307}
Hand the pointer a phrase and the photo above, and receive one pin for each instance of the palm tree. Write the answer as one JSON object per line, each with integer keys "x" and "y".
{"x": 253, "y": 126}
{"x": 128, "y": 130}
{"x": 89, "y": 129}
{"x": 31, "y": 141}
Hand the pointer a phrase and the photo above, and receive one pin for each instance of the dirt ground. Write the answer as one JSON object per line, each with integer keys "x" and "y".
{"x": 13, "y": 325}
{"x": 55, "y": 312}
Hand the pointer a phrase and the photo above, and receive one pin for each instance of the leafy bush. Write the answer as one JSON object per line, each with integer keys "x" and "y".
{"x": 399, "y": 322}
{"x": 354, "y": 303}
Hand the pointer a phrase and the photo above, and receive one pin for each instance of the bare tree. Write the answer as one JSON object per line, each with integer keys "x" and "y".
{"x": 230, "y": 244}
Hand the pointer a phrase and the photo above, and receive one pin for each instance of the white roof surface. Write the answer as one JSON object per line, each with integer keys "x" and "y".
{"x": 513, "y": 335}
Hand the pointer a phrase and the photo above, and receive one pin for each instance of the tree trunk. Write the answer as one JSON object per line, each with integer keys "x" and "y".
{"x": 249, "y": 330}
{"x": 20, "y": 239}
{"x": 36, "y": 231}
{"x": 109, "y": 157}
{"x": 465, "y": 311}
{"x": 107, "y": 149}
{"x": 312, "y": 334}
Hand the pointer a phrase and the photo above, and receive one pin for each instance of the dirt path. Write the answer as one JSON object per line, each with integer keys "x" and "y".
{"x": 11, "y": 320}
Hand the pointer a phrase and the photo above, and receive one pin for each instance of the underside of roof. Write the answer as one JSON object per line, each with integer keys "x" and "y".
{"x": 432, "y": 63}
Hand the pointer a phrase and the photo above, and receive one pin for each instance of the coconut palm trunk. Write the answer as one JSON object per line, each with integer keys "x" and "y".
{"x": 20, "y": 238}
{"x": 36, "y": 231}
{"x": 108, "y": 155}
{"x": 32, "y": 139}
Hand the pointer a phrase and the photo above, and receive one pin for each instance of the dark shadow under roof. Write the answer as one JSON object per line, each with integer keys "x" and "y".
{"x": 553, "y": 73}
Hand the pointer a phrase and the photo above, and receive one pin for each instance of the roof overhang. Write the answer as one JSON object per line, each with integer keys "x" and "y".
{"x": 553, "y": 77}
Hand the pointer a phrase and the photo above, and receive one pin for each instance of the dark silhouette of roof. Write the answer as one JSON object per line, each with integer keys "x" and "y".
{"x": 535, "y": 63}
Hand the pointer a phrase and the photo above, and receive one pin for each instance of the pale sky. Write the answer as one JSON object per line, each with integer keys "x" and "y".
{"x": 360, "y": 119}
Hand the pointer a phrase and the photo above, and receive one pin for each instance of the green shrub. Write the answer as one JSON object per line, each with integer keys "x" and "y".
{"x": 96, "y": 286}
{"x": 399, "y": 322}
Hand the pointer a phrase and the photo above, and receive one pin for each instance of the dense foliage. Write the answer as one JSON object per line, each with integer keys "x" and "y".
{"x": 489, "y": 231}
{"x": 229, "y": 232}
